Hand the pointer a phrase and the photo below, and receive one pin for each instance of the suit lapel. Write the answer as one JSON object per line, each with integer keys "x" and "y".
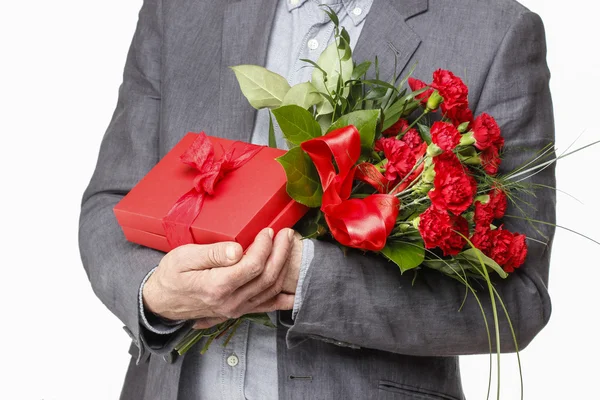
{"x": 246, "y": 29}
{"x": 386, "y": 34}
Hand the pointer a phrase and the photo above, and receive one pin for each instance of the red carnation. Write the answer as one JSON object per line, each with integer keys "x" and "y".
{"x": 498, "y": 202}
{"x": 484, "y": 215}
{"x": 413, "y": 139}
{"x": 486, "y": 132}
{"x": 508, "y": 249}
{"x": 445, "y": 135}
{"x": 454, "y": 189}
{"x": 500, "y": 249}
{"x": 518, "y": 253}
{"x": 490, "y": 159}
{"x": 459, "y": 115}
{"x": 455, "y": 94}
{"x": 415, "y": 85}
{"x": 401, "y": 158}
{"x": 400, "y": 126}
{"x": 482, "y": 238}
{"x": 495, "y": 208}
{"x": 439, "y": 229}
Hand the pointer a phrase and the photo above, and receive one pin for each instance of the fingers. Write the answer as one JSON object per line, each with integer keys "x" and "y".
{"x": 199, "y": 257}
{"x": 205, "y": 323}
{"x": 251, "y": 264}
{"x": 282, "y": 301}
{"x": 270, "y": 282}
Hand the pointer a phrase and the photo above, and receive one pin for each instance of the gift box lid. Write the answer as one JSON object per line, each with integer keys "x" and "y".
{"x": 245, "y": 200}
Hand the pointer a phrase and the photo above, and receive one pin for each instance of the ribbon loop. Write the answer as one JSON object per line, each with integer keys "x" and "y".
{"x": 200, "y": 156}
{"x": 359, "y": 223}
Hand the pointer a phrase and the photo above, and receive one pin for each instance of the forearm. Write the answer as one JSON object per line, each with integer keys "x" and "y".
{"x": 363, "y": 300}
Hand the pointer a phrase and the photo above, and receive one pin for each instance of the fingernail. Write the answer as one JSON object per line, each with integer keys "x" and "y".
{"x": 231, "y": 252}
{"x": 270, "y": 232}
{"x": 290, "y": 234}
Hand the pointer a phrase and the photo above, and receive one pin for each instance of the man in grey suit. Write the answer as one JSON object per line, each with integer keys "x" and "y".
{"x": 358, "y": 328}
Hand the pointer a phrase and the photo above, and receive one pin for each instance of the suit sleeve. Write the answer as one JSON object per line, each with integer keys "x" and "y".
{"x": 363, "y": 300}
{"x": 129, "y": 150}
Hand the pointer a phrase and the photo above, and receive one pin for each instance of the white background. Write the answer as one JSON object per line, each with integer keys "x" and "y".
{"x": 61, "y": 66}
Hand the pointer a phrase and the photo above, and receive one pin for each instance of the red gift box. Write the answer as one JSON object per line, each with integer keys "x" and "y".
{"x": 244, "y": 201}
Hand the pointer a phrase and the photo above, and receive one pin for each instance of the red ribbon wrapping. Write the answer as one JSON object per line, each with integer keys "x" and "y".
{"x": 359, "y": 223}
{"x": 200, "y": 156}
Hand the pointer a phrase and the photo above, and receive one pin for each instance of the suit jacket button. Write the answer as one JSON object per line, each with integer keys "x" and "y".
{"x": 170, "y": 357}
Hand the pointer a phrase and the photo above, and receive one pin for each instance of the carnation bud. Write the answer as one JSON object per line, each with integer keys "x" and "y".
{"x": 469, "y": 216}
{"x": 434, "y": 101}
{"x": 428, "y": 162}
{"x": 434, "y": 150}
{"x": 424, "y": 187}
{"x": 483, "y": 199}
{"x": 416, "y": 222}
{"x": 404, "y": 227}
{"x": 467, "y": 139}
{"x": 428, "y": 175}
{"x": 381, "y": 165}
{"x": 462, "y": 128}
{"x": 470, "y": 159}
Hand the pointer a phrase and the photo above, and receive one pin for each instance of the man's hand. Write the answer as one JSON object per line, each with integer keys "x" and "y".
{"x": 293, "y": 265}
{"x": 212, "y": 283}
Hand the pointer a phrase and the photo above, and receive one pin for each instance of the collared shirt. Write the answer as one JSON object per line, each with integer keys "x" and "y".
{"x": 247, "y": 368}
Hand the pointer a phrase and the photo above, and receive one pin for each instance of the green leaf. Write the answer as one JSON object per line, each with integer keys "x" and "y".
{"x": 331, "y": 14}
{"x": 345, "y": 44}
{"x": 406, "y": 255}
{"x": 260, "y": 318}
{"x": 303, "y": 184}
{"x": 376, "y": 93}
{"x": 360, "y": 70}
{"x": 393, "y": 113}
{"x": 424, "y": 130}
{"x": 314, "y": 64}
{"x": 262, "y": 88}
{"x": 325, "y": 107}
{"x": 310, "y": 226}
{"x": 325, "y": 122}
{"x": 297, "y": 124}
{"x": 303, "y": 95}
{"x": 401, "y": 107}
{"x": 474, "y": 255}
{"x": 272, "y": 140}
{"x": 329, "y": 62}
{"x": 380, "y": 83}
{"x": 365, "y": 122}
{"x": 408, "y": 75}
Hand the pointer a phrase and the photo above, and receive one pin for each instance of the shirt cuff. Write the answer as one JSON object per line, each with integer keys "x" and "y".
{"x": 152, "y": 322}
{"x": 308, "y": 253}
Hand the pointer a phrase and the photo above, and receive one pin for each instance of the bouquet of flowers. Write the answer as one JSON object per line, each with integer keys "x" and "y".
{"x": 411, "y": 175}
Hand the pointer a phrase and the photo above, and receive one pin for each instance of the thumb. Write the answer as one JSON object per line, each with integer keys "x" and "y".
{"x": 223, "y": 254}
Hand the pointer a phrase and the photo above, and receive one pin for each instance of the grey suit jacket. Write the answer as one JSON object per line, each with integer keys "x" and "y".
{"x": 364, "y": 331}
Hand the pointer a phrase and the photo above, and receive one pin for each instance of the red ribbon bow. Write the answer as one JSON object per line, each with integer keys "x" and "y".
{"x": 359, "y": 223}
{"x": 200, "y": 156}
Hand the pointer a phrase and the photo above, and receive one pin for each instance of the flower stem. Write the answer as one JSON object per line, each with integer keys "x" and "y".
{"x": 409, "y": 127}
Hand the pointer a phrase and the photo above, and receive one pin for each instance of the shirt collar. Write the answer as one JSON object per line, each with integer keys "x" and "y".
{"x": 357, "y": 10}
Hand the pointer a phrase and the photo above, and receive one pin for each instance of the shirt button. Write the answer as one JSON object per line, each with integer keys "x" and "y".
{"x": 313, "y": 44}
{"x": 357, "y": 11}
{"x": 232, "y": 360}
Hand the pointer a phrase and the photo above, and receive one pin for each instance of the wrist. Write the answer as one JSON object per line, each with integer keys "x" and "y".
{"x": 295, "y": 260}
{"x": 150, "y": 295}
